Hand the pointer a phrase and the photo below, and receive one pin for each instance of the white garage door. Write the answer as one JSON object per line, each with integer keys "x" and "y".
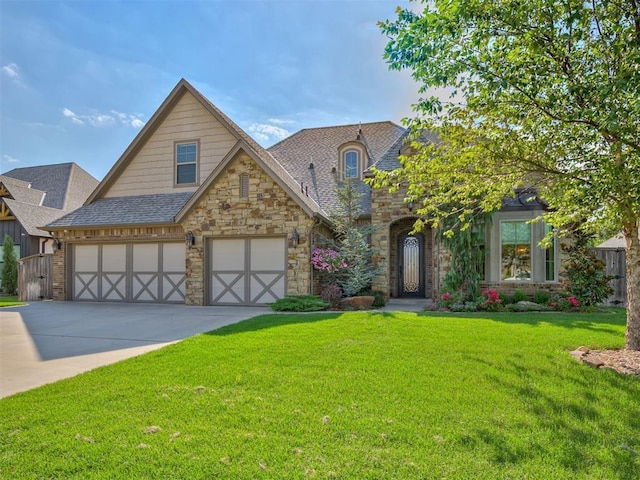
{"x": 132, "y": 272}
{"x": 247, "y": 271}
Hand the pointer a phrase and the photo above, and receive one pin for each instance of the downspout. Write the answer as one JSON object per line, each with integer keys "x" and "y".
{"x": 44, "y": 244}
{"x": 437, "y": 282}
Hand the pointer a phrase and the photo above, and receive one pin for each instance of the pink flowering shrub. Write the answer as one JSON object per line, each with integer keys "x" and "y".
{"x": 327, "y": 260}
{"x": 574, "y": 302}
{"x": 490, "y": 300}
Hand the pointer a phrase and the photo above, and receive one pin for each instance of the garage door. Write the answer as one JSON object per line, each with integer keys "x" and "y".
{"x": 247, "y": 271}
{"x": 129, "y": 272}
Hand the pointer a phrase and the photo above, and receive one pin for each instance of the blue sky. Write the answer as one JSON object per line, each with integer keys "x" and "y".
{"x": 79, "y": 79}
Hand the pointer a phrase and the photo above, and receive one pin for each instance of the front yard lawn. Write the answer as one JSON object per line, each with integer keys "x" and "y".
{"x": 352, "y": 395}
{"x": 10, "y": 301}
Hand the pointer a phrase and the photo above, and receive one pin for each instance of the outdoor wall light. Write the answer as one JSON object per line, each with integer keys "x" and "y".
{"x": 57, "y": 244}
{"x": 411, "y": 205}
{"x": 295, "y": 238}
{"x": 191, "y": 239}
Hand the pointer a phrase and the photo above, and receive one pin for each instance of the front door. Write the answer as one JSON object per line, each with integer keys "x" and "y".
{"x": 411, "y": 265}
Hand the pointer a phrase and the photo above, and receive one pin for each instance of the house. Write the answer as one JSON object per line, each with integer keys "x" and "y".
{"x": 31, "y": 197}
{"x": 196, "y": 211}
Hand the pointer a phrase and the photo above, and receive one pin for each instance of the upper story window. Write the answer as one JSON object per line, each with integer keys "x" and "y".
{"x": 186, "y": 163}
{"x": 351, "y": 164}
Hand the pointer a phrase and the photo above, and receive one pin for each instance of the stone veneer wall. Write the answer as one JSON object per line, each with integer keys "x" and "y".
{"x": 62, "y": 258}
{"x": 387, "y": 210}
{"x": 269, "y": 210}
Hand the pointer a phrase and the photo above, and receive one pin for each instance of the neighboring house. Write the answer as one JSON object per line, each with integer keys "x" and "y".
{"x": 31, "y": 197}
{"x": 195, "y": 211}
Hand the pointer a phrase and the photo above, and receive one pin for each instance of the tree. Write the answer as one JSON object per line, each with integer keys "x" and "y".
{"x": 9, "y": 267}
{"x": 352, "y": 242}
{"x": 543, "y": 94}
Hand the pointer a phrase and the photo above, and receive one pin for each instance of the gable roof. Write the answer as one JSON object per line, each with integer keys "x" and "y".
{"x": 31, "y": 216}
{"x": 22, "y": 191}
{"x": 66, "y": 185}
{"x": 244, "y": 142}
{"x": 319, "y": 146}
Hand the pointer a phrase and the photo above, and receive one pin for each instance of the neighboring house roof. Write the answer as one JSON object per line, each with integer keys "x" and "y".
{"x": 154, "y": 209}
{"x": 32, "y": 216}
{"x": 22, "y": 191}
{"x": 67, "y": 185}
{"x": 319, "y": 146}
{"x": 38, "y": 195}
{"x": 614, "y": 242}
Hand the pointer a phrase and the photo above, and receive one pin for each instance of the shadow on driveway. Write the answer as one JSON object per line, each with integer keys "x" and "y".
{"x": 45, "y": 341}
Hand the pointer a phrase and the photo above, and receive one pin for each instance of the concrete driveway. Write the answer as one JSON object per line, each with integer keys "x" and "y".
{"x": 46, "y": 341}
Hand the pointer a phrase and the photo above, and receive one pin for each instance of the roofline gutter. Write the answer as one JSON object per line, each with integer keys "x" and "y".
{"x": 52, "y": 228}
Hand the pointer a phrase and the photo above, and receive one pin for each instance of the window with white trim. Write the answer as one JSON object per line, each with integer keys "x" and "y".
{"x": 186, "y": 163}
{"x": 515, "y": 251}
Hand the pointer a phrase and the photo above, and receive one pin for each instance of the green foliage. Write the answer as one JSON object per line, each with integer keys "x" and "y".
{"x": 543, "y": 95}
{"x": 299, "y": 303}
{"x": 9, "y": 267}
{"x": 352, "y": 243}
{"x": 279, "y": 395}
{"x": 587, "y": 279}
{"x": 378, "y": 297}
{"x": 541, "y": 297}
{"x": 462, "y": 240}
{"x": 520, "y": 296}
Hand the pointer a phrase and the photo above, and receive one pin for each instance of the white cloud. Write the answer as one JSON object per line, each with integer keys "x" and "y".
{"x": 74, "y": 118}
{"x": 280, "y": 121}
{"x": 104, "y": 119}
{"x": 11, "y": 70}
{"x": 265, "y": 132}
{"x": 10, "y": 159}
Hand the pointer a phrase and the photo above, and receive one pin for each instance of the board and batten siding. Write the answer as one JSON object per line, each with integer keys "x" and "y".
{"x": 151, "y": 171}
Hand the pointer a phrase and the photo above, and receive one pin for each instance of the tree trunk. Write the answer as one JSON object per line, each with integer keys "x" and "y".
{"x": 630, "y": 231}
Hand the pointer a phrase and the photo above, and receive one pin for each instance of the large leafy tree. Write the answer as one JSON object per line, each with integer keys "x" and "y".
{"x": 543, "y": 94}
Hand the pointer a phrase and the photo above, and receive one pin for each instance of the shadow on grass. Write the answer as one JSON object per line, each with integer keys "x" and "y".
{"x": 578, "y": 412}
{"x": 274, "y": 320}
{"x": 599, "y": 322}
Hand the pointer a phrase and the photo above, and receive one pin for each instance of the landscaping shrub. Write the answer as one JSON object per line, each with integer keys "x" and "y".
{"x": 504, "y": 298}
{"x": 332, "y": 294}
{"x": 587, "y": 279}
{"x": 9, "y": 267}
{"x": 520, "y": 296}
{"x": 299, "y": 303}
{"x": 378, "y": 297}
{"x": 490, "y": 301}
{"x": 541, "y": 297}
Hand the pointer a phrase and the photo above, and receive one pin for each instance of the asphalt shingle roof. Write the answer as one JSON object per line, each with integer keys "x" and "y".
{"x": 22, "y": 192}
{"x": 67, "y": 186}
{"x": 319, "y": 146}
{"x": 31, "y": 217}
{"x": 135, "y": 210}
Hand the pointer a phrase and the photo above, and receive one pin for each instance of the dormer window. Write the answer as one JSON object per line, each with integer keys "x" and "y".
{"x": 351, "y": 164}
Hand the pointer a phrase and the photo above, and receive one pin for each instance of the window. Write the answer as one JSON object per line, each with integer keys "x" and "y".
{"x": 244, "y": 185}
{"x": 186, "y": 163}
{"x": 515, "y": 242}
{"x": 351, "y": 164}
{"x": 550, "y": 257}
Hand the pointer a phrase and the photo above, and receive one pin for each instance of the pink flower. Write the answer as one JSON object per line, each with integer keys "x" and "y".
{"x": 446, "y": 296}
{"x": 573, "y": 301}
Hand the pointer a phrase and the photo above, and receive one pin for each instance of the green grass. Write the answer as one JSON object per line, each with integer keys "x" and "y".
{"x": 354, "y": 395}
{"x": 10, "y": 301}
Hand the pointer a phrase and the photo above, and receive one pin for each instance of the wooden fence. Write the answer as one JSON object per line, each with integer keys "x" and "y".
{"x": 614, "y": 259}
{"x": 35, "y": 277}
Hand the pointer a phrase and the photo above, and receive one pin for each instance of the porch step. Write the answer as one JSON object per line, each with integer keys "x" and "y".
{"x": 407, "y": 304}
